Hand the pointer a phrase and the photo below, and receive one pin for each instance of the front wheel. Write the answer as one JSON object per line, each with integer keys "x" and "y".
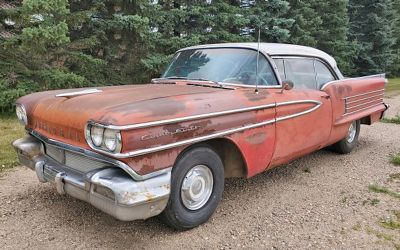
{"x": 347, "y": 144}
{"x": 196, "y": 188}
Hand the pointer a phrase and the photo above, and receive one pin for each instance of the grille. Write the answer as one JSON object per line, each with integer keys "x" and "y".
{"x": 73, "y": 160}
{"x": 363, "y": 101}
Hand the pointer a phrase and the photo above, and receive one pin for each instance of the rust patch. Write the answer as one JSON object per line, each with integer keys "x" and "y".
{"x": 257, "y": 138}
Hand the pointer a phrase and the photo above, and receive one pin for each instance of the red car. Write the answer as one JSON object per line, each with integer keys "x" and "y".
{"x": 219, "y": 111}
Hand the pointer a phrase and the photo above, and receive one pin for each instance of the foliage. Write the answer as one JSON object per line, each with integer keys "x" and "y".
{"x": 395, "y": 159}
{"x": 372, "y": 29}
{"x": 10, "y": 130}
{"x": 64, "y": 44}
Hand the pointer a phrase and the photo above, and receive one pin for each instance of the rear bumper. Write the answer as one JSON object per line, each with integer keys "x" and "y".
{"x": 109, "y": 189}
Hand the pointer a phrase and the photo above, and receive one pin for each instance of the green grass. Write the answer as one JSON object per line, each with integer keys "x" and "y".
{"x": 378, "y": 189}
{"x": 395, "y": 159}
{"x": 392, "y": 223}
{"x": 10, "y": 130}
{"x": 395, "y": 120}
{"x": 393, "y": 85}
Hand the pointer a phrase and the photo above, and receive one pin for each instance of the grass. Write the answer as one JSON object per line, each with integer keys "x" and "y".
{"x": 395, "y": 120}
{"x": 395, "y": 159}
{"x": 395, "y": 176}
{"x": 392, "y": 223}
{"x": 393, "y": 85}
{"x": 10, "y": 130}
{"x": 378, "y": 189}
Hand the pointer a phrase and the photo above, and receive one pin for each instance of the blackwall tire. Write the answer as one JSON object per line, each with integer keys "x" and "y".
{"x": 197, "y": 184}
{"x": 347, "y": 144}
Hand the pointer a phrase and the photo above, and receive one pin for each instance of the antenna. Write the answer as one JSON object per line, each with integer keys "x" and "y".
{"x": 258, "y": 57}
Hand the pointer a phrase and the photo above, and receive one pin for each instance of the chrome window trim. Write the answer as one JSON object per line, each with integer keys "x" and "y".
{"x": 334, "y": 74}
{"x": 144, "y": 151}
{"x": 266, "y": 55}
{"x": 98, "y": 157}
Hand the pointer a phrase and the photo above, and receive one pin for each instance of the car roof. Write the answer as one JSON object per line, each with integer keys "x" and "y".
{"x": 276, "y": 49}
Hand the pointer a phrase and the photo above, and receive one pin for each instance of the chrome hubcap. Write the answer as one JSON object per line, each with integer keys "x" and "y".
{"x": 351, "y": 134}
{"x": 197, "y": 187}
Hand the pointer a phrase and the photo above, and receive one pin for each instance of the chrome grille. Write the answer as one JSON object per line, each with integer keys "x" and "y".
{"x": 73, "y": 160}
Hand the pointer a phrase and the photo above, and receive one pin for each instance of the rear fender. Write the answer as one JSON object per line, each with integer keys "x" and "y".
{"x": 355, "y": 99}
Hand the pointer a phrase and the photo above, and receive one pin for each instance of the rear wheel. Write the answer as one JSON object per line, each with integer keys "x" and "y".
{"x": 347, "y": 144}
{"x": 196, "y": 188}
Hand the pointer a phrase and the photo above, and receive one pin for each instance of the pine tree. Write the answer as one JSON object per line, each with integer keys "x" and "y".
{"x": 395, "y": 69}
{"x": 306, "y": 24}
{"x": 371, "y": 27}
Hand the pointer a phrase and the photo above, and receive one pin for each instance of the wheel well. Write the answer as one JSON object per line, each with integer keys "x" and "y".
{"x": 234, "y": 165}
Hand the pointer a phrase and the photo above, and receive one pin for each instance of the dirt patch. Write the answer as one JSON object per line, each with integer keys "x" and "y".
{"x": 319, "y": 201}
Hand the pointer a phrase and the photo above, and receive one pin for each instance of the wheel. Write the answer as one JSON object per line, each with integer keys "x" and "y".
{"x": 196, "y": 188}
{"x": 347, "y": 144}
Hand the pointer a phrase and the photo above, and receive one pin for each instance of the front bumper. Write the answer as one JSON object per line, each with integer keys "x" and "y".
{"x": 109, "y": 189}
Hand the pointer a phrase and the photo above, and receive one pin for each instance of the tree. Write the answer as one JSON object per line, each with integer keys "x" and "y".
{"x": 371, "y": 27}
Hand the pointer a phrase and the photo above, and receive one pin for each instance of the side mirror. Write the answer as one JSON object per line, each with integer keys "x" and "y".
{"x": 287, "y": 85}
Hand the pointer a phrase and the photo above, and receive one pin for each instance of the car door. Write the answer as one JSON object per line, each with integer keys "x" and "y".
{"x": 304, "y": 113}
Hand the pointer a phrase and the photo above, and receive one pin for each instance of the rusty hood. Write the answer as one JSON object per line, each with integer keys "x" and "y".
{"x": 63, "y": 114}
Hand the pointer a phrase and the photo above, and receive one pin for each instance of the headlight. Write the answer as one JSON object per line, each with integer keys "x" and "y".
{"x": 21, "y": 114}
{"x": 111, "y": 139}
{"x": 96, "y": 135}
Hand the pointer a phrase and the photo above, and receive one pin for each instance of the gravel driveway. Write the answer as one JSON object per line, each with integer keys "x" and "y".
{"x": 319, "y": 201}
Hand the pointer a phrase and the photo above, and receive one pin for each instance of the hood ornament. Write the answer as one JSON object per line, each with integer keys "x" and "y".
{"x": 78, "y": 93}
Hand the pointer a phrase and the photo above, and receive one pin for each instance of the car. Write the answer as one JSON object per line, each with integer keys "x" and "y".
{"x": 219, "y": 111}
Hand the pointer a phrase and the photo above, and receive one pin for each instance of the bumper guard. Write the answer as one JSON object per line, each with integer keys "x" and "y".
{"x": 109, "y": 189}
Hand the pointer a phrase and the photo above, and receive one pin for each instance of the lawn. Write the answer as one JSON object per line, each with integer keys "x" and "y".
{"x": 393, "y": 86}
{"x": 10, "y": 129}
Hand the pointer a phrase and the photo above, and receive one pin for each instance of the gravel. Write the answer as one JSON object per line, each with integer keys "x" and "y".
{"x": 319, "y": 201}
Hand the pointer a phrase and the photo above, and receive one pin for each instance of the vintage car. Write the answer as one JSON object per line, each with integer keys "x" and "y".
{"x": 218, "y": 111}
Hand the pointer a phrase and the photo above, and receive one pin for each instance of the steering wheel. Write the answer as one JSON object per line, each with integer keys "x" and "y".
{"x": 248, "y": 78}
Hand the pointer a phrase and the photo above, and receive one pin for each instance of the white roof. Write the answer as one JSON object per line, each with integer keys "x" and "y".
{"x": 278, "y": 49}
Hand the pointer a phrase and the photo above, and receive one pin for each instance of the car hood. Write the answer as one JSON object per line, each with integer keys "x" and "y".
{"x": 65, "y": 117}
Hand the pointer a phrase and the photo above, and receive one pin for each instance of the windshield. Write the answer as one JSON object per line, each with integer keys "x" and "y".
{"x": 236, "y": 66}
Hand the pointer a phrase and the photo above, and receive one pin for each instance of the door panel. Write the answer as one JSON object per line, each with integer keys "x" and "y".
{"x": 304, "y": 121}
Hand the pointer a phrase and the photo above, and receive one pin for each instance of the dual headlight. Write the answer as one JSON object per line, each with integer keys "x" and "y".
{"x": 21, "y": 114}
{"x": 104, "y": 138}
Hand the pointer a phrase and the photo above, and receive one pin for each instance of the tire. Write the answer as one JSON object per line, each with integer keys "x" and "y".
{"x": 191, "y": 175}
{"x": 347, "y": 144}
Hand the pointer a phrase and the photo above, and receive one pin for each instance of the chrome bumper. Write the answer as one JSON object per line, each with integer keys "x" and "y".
{"x": 109, "y": 189}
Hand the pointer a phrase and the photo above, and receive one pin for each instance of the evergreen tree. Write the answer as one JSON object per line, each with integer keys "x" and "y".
{"x": 307, "y": 22}
{"x": 395, "y": 69}
{"x": 371, "y": 27}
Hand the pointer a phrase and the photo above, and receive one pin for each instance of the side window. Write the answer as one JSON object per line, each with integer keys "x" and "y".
{"x": 301, "y": 72}
{"x": 324, "y": 75}
{"x": 281, "y": 68}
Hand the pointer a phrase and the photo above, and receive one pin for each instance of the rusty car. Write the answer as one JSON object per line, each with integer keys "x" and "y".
{"x": 219, "y": 111}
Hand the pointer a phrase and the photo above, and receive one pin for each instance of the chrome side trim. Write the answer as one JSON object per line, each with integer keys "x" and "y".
{"x": 355, "y": 78}
{"x": 366, "y": 98}
{"x": 298, "y": 102}
{"x": 363, "y": 94}
{"x": 363, "y": 104}
{"x": 182, "y": 119}
{"x": 372, "y": 106}
{"x": 99, "y": 157}
{"x": 218, "y": 134}
{"x": 318, "y": 105}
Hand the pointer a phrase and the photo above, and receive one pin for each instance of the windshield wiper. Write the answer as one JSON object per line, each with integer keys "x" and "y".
{"x": 191, "y": 79}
